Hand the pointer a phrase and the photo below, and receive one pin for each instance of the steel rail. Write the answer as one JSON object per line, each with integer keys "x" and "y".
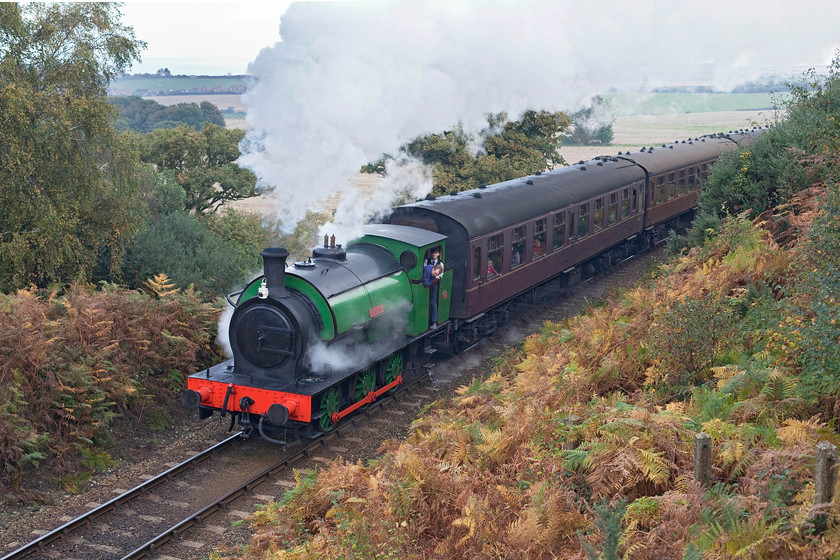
{"x": 197, "y": 519}
{"x": 111, "y": 505}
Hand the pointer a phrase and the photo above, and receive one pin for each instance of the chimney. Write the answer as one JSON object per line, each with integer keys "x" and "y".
{"x": 274, "y": 269}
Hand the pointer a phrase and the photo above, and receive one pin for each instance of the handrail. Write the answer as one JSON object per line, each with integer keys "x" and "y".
{"x": 232, "y": 294}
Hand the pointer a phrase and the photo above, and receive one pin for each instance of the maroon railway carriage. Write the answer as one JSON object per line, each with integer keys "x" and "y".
{"x": 507, "y": 238}
{"x": 674, "y": 172}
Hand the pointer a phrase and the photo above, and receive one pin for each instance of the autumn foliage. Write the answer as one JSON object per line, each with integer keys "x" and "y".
{"x": 76, "y": 360}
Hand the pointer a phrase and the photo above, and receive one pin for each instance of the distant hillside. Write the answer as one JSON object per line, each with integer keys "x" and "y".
{"x": 146, "y": 85}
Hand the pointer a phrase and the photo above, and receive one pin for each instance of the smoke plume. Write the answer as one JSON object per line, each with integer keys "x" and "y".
{"x": 350, "y": 81}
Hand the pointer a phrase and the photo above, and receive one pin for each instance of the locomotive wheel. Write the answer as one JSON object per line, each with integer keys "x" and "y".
{"x": 393, "y": 368}
{"x": 329, "y": 405}
{"x": 365, "y": 383}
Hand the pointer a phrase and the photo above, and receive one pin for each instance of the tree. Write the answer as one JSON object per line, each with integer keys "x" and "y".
{"x": 592, "y": 125}
{"x": 510, "y": 149}
{"x": 204, "y": 163}
{"x": 67, "y": 188}
{"x": 145, "y": 115}
{"x": 211, "y": 114}
{"x": 213, "y": 253}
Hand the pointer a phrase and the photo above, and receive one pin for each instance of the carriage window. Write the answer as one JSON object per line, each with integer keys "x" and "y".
{"x": 625, "y": 204}
{"x": 681, "y": 187}
{"x": 598, "y": 222}
{"x": 494, "y": 255}
{"x": 583, "y": 221}
{"x": 641, "y": 205}
{"x": 559, "y": 230}
{"x": 705, "y": 173}
{"x": 660, "y": 190}
{"x": 612, "y": 210}
{"x": 691, "y": 178}
{"x": 539, "y": 239}
{"x": 476, "y": 263}
{"x": 517, "y": 248}
{"x": 672, "y": 185}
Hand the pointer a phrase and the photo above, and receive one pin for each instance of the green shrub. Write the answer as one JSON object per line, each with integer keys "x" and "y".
{"x": 188, "y": 249}
{"x": 818, "y": 295}
{"x": 688, "y": 337}
{"x": 755, "y": 178}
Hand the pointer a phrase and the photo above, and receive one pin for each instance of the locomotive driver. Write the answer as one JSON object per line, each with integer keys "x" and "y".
{"x": 434, "y": 288}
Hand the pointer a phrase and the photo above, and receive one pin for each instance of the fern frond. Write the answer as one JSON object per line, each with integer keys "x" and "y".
{"x": 778, "y": 387}
{"x": 747, "y": 537}
{"x": 725, "y": 373}
{"x": 654, "y": 466}
{"x": 160, "y": 286}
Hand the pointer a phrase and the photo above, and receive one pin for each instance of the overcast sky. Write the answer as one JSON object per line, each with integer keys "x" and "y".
{"x": 195, "y": 37}
{"x": 203, "y": 37}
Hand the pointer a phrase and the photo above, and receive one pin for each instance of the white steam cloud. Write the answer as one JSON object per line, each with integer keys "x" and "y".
{"x": 352, "y": 352}
{"x": 223, "y": 336}
{"x": 350, "y": 81}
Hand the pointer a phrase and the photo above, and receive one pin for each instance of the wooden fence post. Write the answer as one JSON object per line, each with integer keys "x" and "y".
{"x": 570, "y": 421}
{"x": 825, "y": 478}
{"x": 703, "y": 459}
{"x": 825, "y": 472}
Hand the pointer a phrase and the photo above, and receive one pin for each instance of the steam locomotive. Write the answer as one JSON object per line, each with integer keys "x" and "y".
{"x": 315, "y": 340}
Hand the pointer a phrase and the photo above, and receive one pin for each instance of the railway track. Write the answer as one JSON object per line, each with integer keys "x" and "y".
{"x": 189, "y": 509}
{"x": 111, "y": 530}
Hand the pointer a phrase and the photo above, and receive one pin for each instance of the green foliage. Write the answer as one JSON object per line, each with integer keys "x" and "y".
{"x": 609, "y": 521}
{"x": 159, "y": 420}
{"x": 508, "y": 149}
{"x": 204, "y": 163}
{"x": 212, "y": 253}
{"x": 591, "y": 125}
{"x": 146, "y": 115}
{"x": 756, "y": 178}
{"x": 689, "y": 336}
{"x": 68, "y": 187}
{"x": 818, "y": 299}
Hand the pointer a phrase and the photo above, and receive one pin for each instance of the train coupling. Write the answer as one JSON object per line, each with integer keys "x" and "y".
{"x": 246, "y": 427}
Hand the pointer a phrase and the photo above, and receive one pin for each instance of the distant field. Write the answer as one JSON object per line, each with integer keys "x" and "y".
{"x": 222, "y": 101}
{"x": 625, "y": 104}
{"x": 668, "y": 119}
{"x": 128, "y": 86}
{"x": 635, "y": 131}
{"x": 640, "y": 118}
